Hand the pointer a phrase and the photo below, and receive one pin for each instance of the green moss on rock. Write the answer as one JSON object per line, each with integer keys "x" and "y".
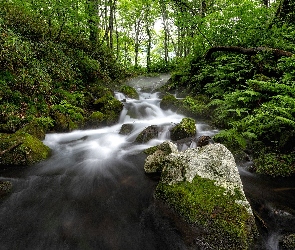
{"x": 21, "y": 149}
{"x": 33, "y": 128}
{"x": 110, "y": 107}
{"x": 94, "y": 120}
{"x": 186, "y": 128}
{"x": 129, "y": 91}
{"x": 204, "y": 205}
{"x": 169, "y": 101}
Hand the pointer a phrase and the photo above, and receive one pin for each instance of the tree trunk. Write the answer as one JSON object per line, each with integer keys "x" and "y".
{"x": 277, "y": 53}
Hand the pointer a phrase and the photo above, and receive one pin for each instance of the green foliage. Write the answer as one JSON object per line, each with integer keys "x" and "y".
{"x": 275, "y": 165}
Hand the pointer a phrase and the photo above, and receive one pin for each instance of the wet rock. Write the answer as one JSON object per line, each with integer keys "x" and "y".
{"x": 5, "y": 188}
{"x": 170, "y": 102}
{"x": 153, "y": 163}
{"x": 94, "y": 120}
{"x": 186, "y": 128}
{"x": 147, "y": 134}
{"x": 203, "y": 187}
{"x": 21, "y": 149}
{"x": 204, "y": 140}
{"x": 126, "y": 129}
{"x": 129, "y": 91}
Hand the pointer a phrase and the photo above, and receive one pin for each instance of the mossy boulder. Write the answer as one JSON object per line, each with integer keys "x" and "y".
{"x": 186, "y": 128}
{"x": 66, "y": 116}
{"x": 203, "y": 187}
{"x": 129, "y": 91}
{"x": 21, "y": 149}
{"x": 157, "y": 155}
{"x": 94, "y": 120}
{"x": 149, "y": 133}
{"x": 126, "y": 129}
{"x": 35, "y": 129}
{"x": 5, "y": 188}
{"x": 110, "y": 107}
{"x": 169, "y": 101}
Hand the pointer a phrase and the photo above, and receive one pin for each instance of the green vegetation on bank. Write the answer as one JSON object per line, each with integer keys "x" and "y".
{"x": 253, "y": 99}
{"x": 50, "y": 75}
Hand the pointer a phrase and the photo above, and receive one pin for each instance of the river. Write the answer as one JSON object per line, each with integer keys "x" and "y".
{"x": 92, "y": 193}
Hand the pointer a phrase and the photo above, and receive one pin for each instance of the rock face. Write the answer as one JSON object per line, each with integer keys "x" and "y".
{"x": 147, "y": 134}
{"x": 186, "y": 128}
{"x": 203, "y": 187}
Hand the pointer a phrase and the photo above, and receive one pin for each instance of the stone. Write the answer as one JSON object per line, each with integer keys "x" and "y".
{"x": 203, "y": 187}
{"x": 126, "y": 129}
{"x": 21, "y": 149}
{"x": 153, "y": 163}
{"x": 204, "y": 140}
{"x": 186, "y": 128}
{"x": 147, "y": 134}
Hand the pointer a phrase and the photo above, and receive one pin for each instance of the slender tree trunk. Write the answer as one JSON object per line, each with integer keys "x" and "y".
{"x": 91, "y": 11}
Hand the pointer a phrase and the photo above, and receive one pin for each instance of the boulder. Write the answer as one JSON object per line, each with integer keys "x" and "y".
{"x": 129, "y": 91}
{"x": 21, "y": 149}
{"x": 186, "y": 128}
{"x": 203, "y": 187}
{"x": 126, "y": 129}
{"x": 153, "y": 163}
{"x": 147, "y": 134}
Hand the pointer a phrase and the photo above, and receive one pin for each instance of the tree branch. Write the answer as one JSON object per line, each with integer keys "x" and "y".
{"x": 10, "y": 148}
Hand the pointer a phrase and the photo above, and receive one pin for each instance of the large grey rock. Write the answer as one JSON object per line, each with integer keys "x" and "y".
{"x": 203, "y": 186}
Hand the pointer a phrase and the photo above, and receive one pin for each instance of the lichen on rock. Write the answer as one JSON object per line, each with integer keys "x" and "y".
{"x": 203, "y": 187}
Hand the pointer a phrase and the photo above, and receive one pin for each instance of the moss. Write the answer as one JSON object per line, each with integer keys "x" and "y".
{"x": 110, "y": 107}
{"x": 33, "y": 128}
{"x": 186, "y": 128}
{"x": 22, "y": 149}
{"x": 129, "y": 91}
{"x": 94, "y": 120}
{"x": 205, "y": 205}
{"x": 170, "y": 102}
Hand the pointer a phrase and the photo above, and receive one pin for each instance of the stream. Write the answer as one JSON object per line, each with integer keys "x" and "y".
{"x": 92, "y": 193}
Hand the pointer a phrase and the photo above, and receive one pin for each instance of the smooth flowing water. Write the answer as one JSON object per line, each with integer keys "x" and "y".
{"x": 92, "y": 192}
